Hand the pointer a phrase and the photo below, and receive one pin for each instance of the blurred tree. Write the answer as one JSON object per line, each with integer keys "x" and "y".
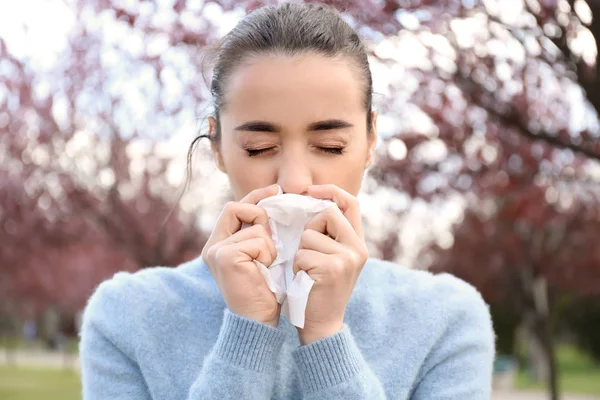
{"x": 509, "y": 96}
{"x": 83, "y": 194}
{"x": 497, "y": 103}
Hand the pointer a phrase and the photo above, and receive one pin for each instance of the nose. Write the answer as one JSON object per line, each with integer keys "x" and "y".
{"x": 294, "y": 174}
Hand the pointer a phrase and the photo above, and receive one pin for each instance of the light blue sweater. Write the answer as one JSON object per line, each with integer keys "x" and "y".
{"x": 165, "y": 333}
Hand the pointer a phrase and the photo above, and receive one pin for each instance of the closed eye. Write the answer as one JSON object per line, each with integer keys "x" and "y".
{"x": 256, "y": 152}
{"x": 332, "y": 150}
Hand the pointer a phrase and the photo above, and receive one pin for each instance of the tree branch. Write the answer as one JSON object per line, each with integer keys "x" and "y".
{"x": 513, "y": 118}
{"x": 589, "y": 84}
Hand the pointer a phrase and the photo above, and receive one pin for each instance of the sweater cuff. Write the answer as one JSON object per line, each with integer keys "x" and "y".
{"x": 329, "y": 361}
{"x": 248, "y": 344}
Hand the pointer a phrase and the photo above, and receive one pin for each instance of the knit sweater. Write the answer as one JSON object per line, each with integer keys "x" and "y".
{"x": 166, "y": 333}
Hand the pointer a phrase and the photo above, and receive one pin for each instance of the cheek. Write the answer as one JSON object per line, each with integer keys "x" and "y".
{"x": 247, "y": 174}
{"x": 345, "y": 171}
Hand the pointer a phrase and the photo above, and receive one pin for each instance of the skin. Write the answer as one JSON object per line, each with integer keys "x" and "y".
{"x": 300, "y": 123}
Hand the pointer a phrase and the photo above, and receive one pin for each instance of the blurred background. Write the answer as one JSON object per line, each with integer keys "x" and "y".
{"x": 488, "y": 167}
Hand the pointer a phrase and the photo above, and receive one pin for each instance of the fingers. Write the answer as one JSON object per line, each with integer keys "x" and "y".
{"x": 331, "y": 222}
{"x": 259, "y": 194}
{"x": 252, "y": 232}
{"x": 247, "y": 250}
{"x": 347, "y": 203}
{"x": 233, "y": 215}
{"x": 317, "y": 241}
{"x": 307, "y": 260}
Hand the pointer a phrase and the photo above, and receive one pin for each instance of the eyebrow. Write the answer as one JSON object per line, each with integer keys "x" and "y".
{"x": 329, "y": 125}
{"x": 258, "y": 126}
{"x": 263, "y": 126}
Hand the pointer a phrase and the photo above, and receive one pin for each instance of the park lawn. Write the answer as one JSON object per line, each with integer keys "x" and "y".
{"x": 71, "y": 344}
{"x": 30, "y": 383}
{"x": 577, "y": 373}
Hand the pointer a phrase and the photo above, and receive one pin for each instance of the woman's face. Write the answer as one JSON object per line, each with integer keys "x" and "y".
{"x": 295, "y": 121}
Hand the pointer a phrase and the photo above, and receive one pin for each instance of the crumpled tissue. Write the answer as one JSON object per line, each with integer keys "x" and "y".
{"x": 288, "y": 216}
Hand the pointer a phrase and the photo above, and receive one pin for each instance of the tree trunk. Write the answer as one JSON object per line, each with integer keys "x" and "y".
{"x": 539, "y": 331}
{"x": 545, "y": 335}
{"x": 538, "y": 323}
{"x": 538, "y": 362}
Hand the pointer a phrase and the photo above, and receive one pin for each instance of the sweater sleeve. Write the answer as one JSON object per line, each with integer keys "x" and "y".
{"x": 460, "y": 364}
{"x": 108, "y": 367}
{"x": 334, "y": 368}
{"x": 240, "y": 365}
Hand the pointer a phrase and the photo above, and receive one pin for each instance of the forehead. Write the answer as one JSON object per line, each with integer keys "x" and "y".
{"x": 294, "y": 88}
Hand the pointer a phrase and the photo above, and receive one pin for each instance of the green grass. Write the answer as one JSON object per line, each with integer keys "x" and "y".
{"x": 577, "y": 373}
{"x": 71, "y": 344}
{"x": 27, "y": 383}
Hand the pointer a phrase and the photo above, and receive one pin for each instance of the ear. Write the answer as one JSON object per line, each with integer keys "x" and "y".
{"x": 214, "y": 145}
{"x": 372, "y": 139}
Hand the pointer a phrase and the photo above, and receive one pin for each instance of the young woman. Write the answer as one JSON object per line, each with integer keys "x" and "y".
{"x": 292, "y": 95}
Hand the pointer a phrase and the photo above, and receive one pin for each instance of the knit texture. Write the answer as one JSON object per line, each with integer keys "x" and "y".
{"x": 326, "y": 363}
{"x": 248, "y": 344}
{"x": 165, "y": 333}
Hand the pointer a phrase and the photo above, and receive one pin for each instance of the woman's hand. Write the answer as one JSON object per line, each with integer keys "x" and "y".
{"x": 333, "y": 252}
{"x": 230, "y": 253}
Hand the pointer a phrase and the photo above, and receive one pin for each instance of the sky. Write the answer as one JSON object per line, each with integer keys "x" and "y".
{"x": 47, "y": 28}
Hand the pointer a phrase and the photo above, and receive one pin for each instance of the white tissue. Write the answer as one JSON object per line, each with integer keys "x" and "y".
{"x": 288, "y": 216}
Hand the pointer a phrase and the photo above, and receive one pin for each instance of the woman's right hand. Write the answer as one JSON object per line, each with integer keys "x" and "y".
{"x": 230, "y": 253}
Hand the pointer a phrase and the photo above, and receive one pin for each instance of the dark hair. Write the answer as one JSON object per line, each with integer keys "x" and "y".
{"x": 289, "y": 29}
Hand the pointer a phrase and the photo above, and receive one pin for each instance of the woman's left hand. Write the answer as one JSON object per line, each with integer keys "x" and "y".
{"x": 333, "y": 252}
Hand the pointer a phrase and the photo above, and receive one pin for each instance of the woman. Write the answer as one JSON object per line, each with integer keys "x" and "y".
{"x": 292, "y": 94}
